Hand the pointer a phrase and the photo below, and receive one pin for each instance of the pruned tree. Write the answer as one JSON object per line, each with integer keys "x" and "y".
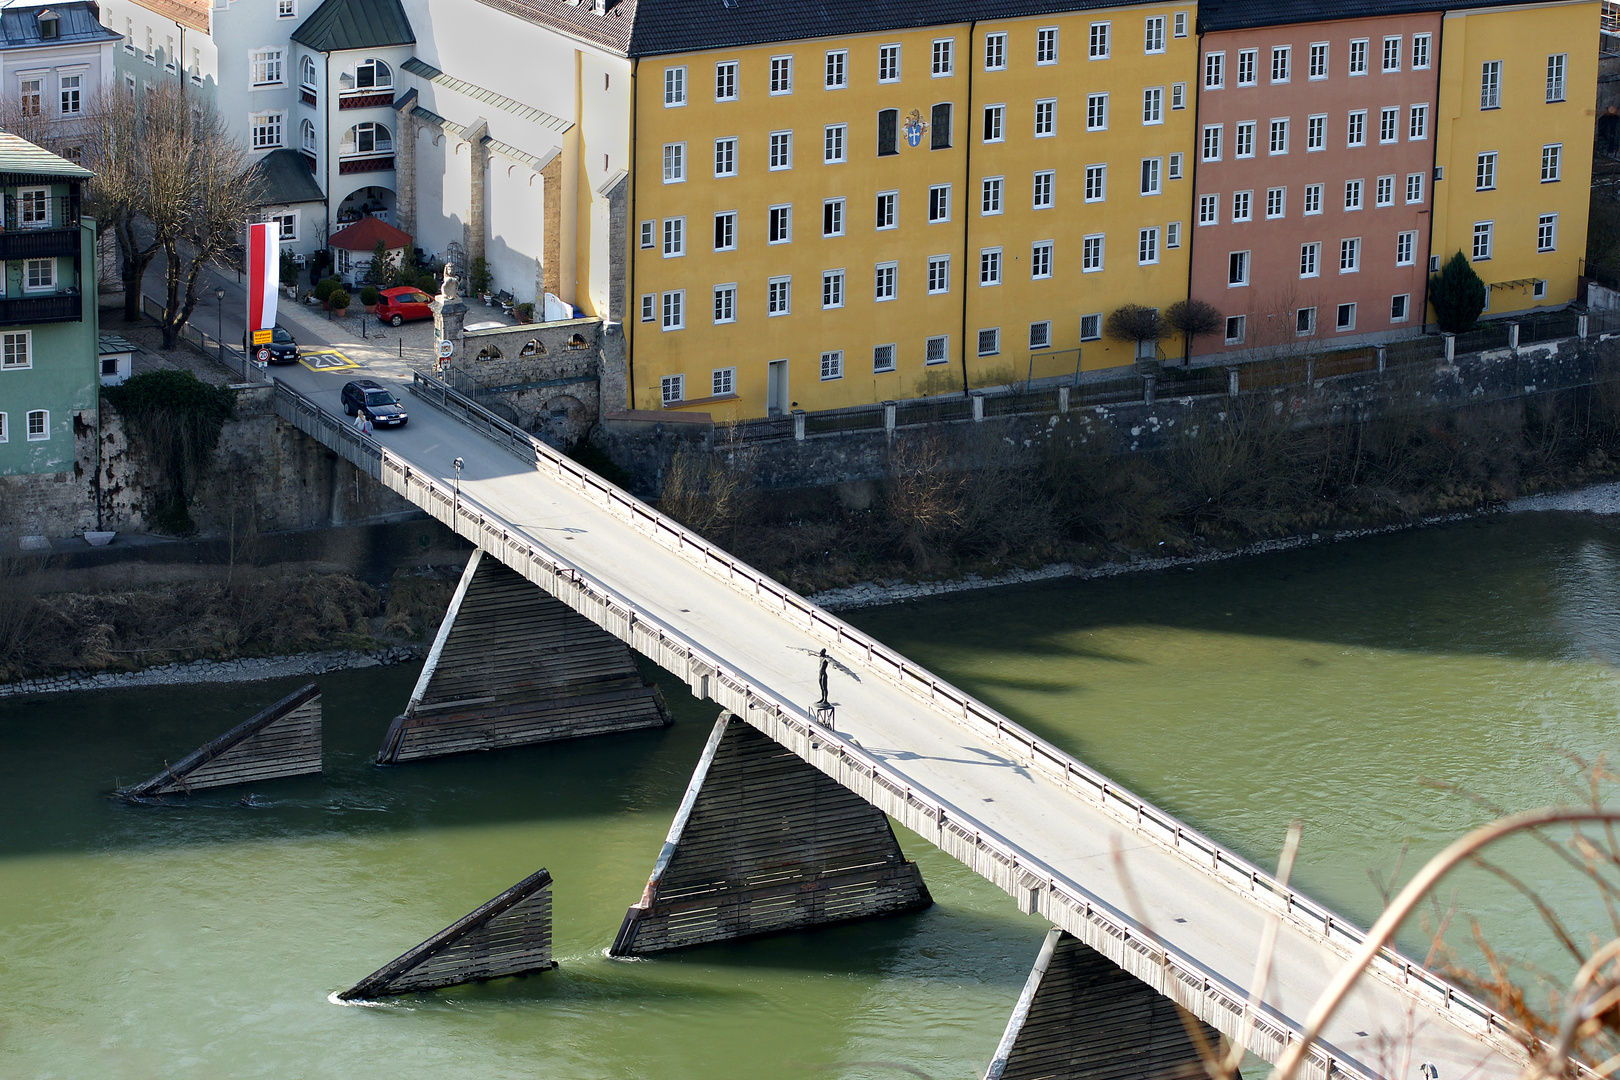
{"x": 1458, "y": 295}
{"x": 1193, "y": 319}
{"x": 1136, "y": 324}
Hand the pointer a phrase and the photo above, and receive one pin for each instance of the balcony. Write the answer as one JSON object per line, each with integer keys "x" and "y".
{"x": 370, "y": 99}
{"x": 307, "y": 96}
{"x": 369, "y": 163}
{"x": 60, "y": 212}
{"x": 60, "y": 307}
{"x": 40, "y": 243}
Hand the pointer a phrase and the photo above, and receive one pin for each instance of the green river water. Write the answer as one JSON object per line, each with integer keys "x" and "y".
{"x": 1325, "y": 684}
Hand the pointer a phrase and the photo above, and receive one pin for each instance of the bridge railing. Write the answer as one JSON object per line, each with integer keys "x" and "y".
{"x": 1140, "y": 816}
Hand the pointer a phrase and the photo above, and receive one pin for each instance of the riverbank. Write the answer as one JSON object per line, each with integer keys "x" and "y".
{"x": 254, "y": 669}
{"x": 1601, "y": 499}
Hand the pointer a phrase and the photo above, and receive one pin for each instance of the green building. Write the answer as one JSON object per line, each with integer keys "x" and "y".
{"x": 49, "y": 366}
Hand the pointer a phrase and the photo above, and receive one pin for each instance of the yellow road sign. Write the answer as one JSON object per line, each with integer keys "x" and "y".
{"x": 327, "y": 360}
{"x": 261, "y": 337}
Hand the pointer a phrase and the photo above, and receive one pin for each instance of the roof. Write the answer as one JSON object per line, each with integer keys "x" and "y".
{"x": 489, "y": 97}
{"x": 78, "y": 24}
{"x": 113, "y": 345}
{"x": 1216, "y": 15}
{"x": 285, "y": 178}
{"x": 341, "y": 25}
{"x": 192, "y": 13}
{"x": 610, "y": 30}
{"x": 19, "y": 157}
{"x": 364, "y": 234}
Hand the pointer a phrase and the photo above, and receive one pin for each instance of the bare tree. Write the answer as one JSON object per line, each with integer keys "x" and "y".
{"x": 118, "y": 194}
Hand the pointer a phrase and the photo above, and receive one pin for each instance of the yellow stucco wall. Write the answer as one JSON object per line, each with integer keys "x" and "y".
{"x": 801, "y": 337}
{"x": 1522, "y": 38}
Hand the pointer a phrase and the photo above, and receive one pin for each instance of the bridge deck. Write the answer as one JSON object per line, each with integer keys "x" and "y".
{"x": 993, "y": 788}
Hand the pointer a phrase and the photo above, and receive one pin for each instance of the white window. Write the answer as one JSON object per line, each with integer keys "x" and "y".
{"x": 725, "y": 303}
{"x": 673, "y": 388}
{"x": 832, "y": 289}
{"x": 1352, "y": 194}
{"x": 286, "y": 9}
{"x": 1276, "y": 202}
{"x": 1096, "y": 112}
{"x": 723, "y": 381}
{"x": 1386, "y": 191}
{"x": 832, "y": 365}
{"x": 1040, "y": 335}
{"x": 832, "y": 217}
{"x": 887, "y": 274}
{"x": 674, "y": 87}
{"x": 1045, "y": 118}
{"x": 29, "y": 93}
{"x": 1485, "y": 172}
{"x": 1356, "y": 130}
{"x": 1538, "y": 290}
{"x": 1400, "y": 307}
{"x": 1181, "y": 24}
{"x": 725, "y": 231}
{"x": 1313, "y": 198}
{"x": 648, "y": 234}
{"x": 1174, "y": 167}
{"x": 1305, "y": 321}
{"x": 366, "y": 138}
{"x": 649, "y": 307}
{"x": 882, "y": 358}
{"x": 1178, "y": 96}
{"x": 1172, "y": 235}
{"x": 1556, "y": 64}
{"x": 1279, "y": 137}
{"x": 1358, "y": 57}
{"x": 943, "y": 62}
{"x": 939, "y": 202}
{"x": 1346, "y": 319}
{"x": 266, "y": 130}
{"x": 990, "y": 195}
{"x": 725, "y": 157}
{"x": 779, "y": 224}
{"x": 674, "y": 237}
{"x": 1046, "y": 45}
{"x": 1319, "y": 60}
{"x": 888, "y": 63}
{"x": 886, "y": 200}
{"x": 937, "y": 350}
{"x": 832, "y": 149}
{"x": 1209, "y": 209}
{"x": 1490, "y": 85}
{"x": 1235, "y": 327}
{"x": 989, "y": 266}
{"x": 1147, "y": 246}
{"x": 1214, "y": 71}
{"x": 1310, "y": 260}
{"x": 939, "y": 273}
{"x": 1420, "y": 51}
{"x": 265, "y": 65}
{"x": 1212, "y": 142}
{"x": 16, "y": 352}
{"x": 994, "y": 123}
{"x": 675, "y": 310}
{"x": 1417, "y": 126}
{"x": 1242, "y": 205}
{"x": 781, "y": 75}
{"x": 1091, "y": 327}
{"x": 1099, "y": 41}
{"x": 1247, "y": 64}
{"x": 1414, "y": 188}
{"x": 1315, "y": 132}
{"x": 286, "y": 224}
{"x": 5, "y": 432}
{"x": 1280, "y": 56}
{"x": 725, "y": 81}
{"x": 372, "y": 74}
{"x": 778, "y": 296}
{"x": 1405, "y": 246}
{"x": 1552, "y": 162}
{"x": 990, "y": 341}
{"x": 39, "y": 425}
{"x": 306, "y": 135}
{"x": 1547, "y": 233}
{"x": 1043, "y": 188}
{"x": 1350, "y": 255}
{"x": 995, "y": 52}
{"x": 1153, "y": 38}
{"x": 1392, "y": 53}
{"x": 1040, "y": 259}
{"x": 674, "y": 163}
{"x": 1150, "y": 176}
{"x": 34, "y": 207}
{"x": 837, "y": 69}
{"x": 1153, "y": 105}
{"x": 1389, "y": 125}
{"x": 72, "y": 87}
{"x": 781, "y": 150}
{"x": 1243, "y": 139}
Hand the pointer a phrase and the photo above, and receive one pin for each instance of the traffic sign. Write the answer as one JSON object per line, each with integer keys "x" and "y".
{"x": 447, "y": 348}
{"x": 261, "y": 337}
{"x": 264, "y": 355}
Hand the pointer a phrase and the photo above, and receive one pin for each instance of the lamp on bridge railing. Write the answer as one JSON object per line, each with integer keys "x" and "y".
{"x": 456, "y": 504}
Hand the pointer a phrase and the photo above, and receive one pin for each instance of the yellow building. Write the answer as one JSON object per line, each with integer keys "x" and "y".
{"x": 834, "y": 221}
{"x": 1514, "y": 127}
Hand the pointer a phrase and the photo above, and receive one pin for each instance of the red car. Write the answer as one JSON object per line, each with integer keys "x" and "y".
{"x": 403, "y": 302}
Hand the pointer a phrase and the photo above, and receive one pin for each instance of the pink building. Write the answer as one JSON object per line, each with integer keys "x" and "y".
{"x": 1312, "y": 179}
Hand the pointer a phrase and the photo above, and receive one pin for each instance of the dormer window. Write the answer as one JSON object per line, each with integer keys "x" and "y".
{"x": 372, "y": 75}
{"x": 50, "y": 25}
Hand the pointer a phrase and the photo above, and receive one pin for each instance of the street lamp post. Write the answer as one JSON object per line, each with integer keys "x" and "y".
{"x": 219, "y": 326}
{"x": 455, "y": 506}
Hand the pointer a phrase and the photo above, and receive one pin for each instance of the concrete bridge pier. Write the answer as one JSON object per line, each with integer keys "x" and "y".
{"x": 1081, "y": 1016}
{"x": 765, "y": 842}
{"x": 511, "y": 666}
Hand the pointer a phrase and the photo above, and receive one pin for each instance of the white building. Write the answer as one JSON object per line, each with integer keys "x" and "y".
{"x": 54, "y": 62}
{"x": 163, "y": 40}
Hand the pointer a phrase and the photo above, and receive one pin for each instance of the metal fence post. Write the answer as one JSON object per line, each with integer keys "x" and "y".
{"x": 798, "y": 425}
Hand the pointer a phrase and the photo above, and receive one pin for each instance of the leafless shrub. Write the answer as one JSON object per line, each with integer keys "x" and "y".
{"x": 713, "y": 491}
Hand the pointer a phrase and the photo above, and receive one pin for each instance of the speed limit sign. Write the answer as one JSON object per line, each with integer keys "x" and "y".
{"x": 263, "y": 356}
{"x": 447, "y": 348}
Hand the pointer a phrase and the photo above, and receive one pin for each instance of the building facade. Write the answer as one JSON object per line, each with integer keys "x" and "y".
{"x": 163, "y": 41}
{"x": 54, "y": 63}
{"x": 49, "y": 367}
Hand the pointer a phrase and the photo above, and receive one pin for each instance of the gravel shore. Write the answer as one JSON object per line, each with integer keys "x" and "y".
{"x": 1598, "y": 499}
{"x": 213, "y": 671}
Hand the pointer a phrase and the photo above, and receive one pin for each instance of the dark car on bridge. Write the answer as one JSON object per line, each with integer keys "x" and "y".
{"x": 402, "y": 303}
{"x": 283, "y": 347}
{"x": 376, "y": 401}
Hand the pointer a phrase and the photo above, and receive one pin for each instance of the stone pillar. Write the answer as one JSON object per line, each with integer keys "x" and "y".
{"x": 798, "y": 424}
{"x": 888, "y": 418}
{"x": 1081, "y": 1016}
{"x": 1231, "y": 382}
{"x": 765, "y": 842}
{"x": 618, "y": 248}
{"x": 1063, "y": 399}
{"x": 1383, "y": 356}
{"x": 511, "y": 666}
{"x": 478, "y": 163}
{"x": 449, "y": 317}
{"x": 1148, "y": 383}
{"x": 1580, "y": 327}
{"x": 978, "y": 405}
{"x": 1513, "y": 338}
{"x": 1450, "y": 341}
{"x": 551, "y": 184}
{"x": 405, "y": 168}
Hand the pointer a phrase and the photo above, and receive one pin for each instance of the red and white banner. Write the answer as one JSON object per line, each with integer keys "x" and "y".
{"x": 264, "y": 275}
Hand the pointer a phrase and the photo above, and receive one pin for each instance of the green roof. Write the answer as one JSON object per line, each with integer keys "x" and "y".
{"x": 340, "y": 25}
{"x": 20, "y": 157}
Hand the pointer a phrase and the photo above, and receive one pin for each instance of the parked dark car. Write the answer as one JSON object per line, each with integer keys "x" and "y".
{"x": 402, "y": 303}
{"x": 376, "y": 401}
{"x": 283, "y": 347}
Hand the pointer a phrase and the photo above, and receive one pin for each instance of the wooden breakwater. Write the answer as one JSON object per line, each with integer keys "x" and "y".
{"x": 283, "y": 739}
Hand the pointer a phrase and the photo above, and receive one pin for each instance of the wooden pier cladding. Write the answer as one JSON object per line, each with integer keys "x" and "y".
{"x": 513, "y": 666}
{"x": 1080, "y": 1017}
{"x": 279, "y": 741}
{"x": 764, "y": 842}
{"x": 509, "y": 935}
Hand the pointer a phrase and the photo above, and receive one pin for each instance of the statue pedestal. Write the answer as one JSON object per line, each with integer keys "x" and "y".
{"x": 822, "y": 713}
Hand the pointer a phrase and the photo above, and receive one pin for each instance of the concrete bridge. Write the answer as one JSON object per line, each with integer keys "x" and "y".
{"x": 768, "y": 836}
